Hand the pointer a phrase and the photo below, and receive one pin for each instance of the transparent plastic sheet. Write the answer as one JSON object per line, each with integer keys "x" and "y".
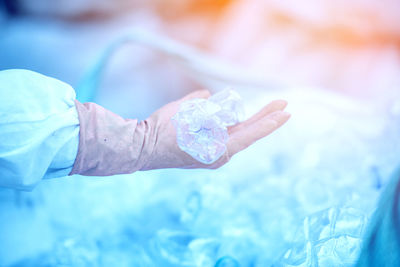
{"x": 201, "y": 124}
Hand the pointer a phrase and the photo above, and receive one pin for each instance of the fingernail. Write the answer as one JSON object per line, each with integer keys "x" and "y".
{"x": 281, "y": 104}
{"x": 204, "y": 92}
{"x": 279, "y": 116}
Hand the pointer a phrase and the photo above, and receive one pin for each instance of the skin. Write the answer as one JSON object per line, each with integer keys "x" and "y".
{"x": 166, "y": 153}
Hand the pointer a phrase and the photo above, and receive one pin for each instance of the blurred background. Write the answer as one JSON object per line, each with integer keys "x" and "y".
{"x": 301, "y": 197}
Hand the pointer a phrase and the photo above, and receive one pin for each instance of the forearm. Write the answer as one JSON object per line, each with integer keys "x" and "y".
{"x": 109, "y": 144}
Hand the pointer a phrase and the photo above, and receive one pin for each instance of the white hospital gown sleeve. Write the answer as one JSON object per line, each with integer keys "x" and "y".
{"x": 39, "y": 128}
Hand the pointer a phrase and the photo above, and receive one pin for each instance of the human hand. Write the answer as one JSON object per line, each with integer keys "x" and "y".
{"x": 166, "y": 153}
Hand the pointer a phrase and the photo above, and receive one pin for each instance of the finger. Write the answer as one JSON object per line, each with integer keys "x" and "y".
{"x": 271, "y": 107}
{"x": 245, "y": 136}
{"x": 268, "y": 109}
{"x": 196, "y": 94}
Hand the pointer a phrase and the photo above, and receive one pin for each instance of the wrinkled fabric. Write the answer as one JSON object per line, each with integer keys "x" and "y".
{"x": 39, "y": 128}
{"x": 108, "y": 143}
